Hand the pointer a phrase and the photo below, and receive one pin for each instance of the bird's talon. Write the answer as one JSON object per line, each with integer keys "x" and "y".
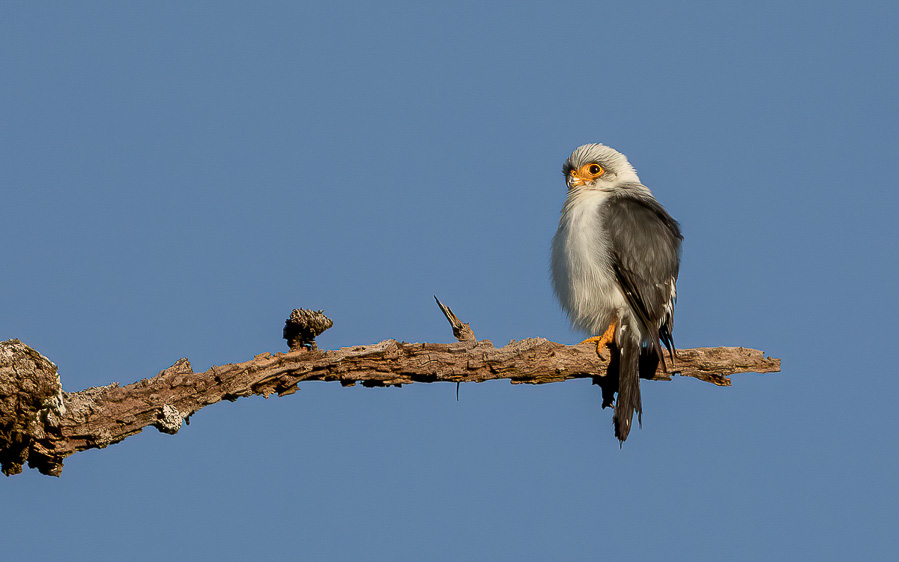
{"x": 606, "y": 339}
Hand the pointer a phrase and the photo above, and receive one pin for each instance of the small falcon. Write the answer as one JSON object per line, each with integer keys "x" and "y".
{"x": 615, "y": 259}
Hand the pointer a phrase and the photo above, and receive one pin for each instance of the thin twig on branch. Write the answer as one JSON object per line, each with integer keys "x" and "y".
{"x": 41, "y": 425}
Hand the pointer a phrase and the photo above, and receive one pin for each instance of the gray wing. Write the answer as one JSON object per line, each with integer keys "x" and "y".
{"x": 645, "y": 247}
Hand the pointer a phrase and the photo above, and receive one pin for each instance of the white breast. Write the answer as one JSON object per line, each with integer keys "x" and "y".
{"x": 581, "y": 270}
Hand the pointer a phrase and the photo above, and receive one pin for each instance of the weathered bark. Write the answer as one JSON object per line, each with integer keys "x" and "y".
{"x": 42, "y": 425}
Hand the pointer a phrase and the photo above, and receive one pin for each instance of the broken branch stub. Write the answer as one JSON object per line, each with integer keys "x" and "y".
{"x": 461, "y": 330}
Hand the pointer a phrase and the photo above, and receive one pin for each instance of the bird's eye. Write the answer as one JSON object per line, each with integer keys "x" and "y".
{"x": 595, "y": 169}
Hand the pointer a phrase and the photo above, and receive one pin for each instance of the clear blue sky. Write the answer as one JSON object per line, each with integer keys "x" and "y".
{"x": 176, "y": 177}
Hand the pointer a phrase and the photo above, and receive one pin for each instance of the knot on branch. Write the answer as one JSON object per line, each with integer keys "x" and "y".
{"x": 303, "y": 326}
{"x": 30, "y": 404}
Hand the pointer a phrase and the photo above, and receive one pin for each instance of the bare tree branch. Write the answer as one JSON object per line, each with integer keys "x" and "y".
{"x": 41, "y": 424}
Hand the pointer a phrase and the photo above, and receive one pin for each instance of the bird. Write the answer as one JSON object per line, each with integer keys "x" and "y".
{"x": 614, "y": 267}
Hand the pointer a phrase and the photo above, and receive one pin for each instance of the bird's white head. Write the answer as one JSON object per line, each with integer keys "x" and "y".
{"x": 597, "y": 166}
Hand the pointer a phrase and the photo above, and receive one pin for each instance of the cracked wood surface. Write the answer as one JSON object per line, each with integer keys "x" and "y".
{"x": 53, "y": 424}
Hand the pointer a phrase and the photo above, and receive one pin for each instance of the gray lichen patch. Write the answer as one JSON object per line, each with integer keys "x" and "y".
{"x": 170, "y": 420}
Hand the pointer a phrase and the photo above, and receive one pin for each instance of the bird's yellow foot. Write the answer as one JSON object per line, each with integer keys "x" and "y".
{"x": 601, "y": 341}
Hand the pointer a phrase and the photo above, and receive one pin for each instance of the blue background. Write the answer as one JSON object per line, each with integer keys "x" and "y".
{"x": 176, "y": 177}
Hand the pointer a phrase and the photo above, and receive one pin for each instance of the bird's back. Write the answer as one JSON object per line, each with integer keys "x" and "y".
{"x": 645, "y": 245}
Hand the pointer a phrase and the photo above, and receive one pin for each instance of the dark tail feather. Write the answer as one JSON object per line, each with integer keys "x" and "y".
{"x": 628, "y": 391}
